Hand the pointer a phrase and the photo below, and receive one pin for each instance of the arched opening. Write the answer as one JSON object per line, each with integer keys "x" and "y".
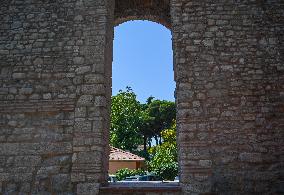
{"x": 143, "y": 57}
{"x": 155, "y": 13}
{"x": 143, "y": 110}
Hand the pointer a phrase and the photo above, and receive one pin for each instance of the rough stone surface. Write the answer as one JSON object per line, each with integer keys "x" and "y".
{"x": 55, "y": 89}
{"x": 154, "y": 10}
{"x": 229, "y": 100}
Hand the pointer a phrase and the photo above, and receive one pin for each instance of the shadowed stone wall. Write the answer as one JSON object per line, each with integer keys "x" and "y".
{"x": 154, "y": 10}
{"x": 55, "y": 88}
{"x": 55, "y": 60}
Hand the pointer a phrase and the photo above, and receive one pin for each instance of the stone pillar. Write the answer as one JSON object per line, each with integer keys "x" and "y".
{"x": 92, "y": 110}
{"x": 55, "y": 65}
{"x": 229, "y": 74}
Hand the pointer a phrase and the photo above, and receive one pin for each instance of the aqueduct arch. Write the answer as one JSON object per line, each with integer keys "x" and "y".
{"x": 156, "y": 11}
{"x": 55, "y": 61}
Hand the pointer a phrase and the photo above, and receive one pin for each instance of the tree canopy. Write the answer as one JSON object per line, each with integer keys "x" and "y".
{"x": 160, "y": 115}
{"x": 133, "y": 123}
{"x": 126, "y": 121}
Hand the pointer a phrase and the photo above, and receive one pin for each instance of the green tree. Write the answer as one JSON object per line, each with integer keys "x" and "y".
{"x": 126, "y": 121}
{"x": 164, "y": 156}
{"x": 133, "y": 123}
{"x": 146, "y": 128}
{"x": 160, "y": 115}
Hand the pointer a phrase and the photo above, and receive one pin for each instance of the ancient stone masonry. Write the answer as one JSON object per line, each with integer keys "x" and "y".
{"x": 55, "y": 79}
{"x": 55, "y": 89}
{"x": 154, "y": 10}
{"x": 229, "y": 74}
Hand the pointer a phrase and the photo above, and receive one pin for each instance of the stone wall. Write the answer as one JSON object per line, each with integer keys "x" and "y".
{"x": 154, "y": 10}
{"x": 133, "y": 189}
{"x": 230, "y": 75}
{"x": 55, "y": 60}
{"x": 55, "y": 88}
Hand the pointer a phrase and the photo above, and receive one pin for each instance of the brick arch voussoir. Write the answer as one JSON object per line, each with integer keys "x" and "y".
{"x": 153, "y": 10}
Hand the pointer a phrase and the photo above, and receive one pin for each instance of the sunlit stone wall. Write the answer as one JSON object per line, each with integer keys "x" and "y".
{"x": 55, "y": 88}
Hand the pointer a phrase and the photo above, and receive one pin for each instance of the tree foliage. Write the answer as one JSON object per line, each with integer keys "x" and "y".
{"x": 164, "y": 156}
{"x": 133, "y": 123}
{"x": 158, "y": 115}
{"x": 126, "y": 121}
{"x": 121, "y": 174}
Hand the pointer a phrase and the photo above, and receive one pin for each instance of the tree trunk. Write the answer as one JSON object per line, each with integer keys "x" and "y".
{"x": 156, "y": 139}
{"x": 145, "y": 143}
{"x": 160, "y": 139}
{"x": 149, "y": 142}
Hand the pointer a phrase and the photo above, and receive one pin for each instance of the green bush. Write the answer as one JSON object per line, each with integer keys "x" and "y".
{"x": 163, "y": 160}
{"x": 121, "y": 174}
{"x": 167, "y": 171}
{"x": 138, "y": 172}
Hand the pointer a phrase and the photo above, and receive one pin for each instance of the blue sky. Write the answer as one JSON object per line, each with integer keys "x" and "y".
{"x": 143, "y": 60}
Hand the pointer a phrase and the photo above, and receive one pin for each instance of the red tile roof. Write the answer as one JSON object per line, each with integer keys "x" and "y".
{"x": 118, "y": 154}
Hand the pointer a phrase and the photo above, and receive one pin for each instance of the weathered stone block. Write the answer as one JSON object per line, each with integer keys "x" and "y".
{"x": 100, "y": 101}
{"x": 19, "y": 75}
{"x": 80, "y": 112}
{"x": 83, "y": 69}
{"x": 26, "y": 91}
{"x": 250, "y": 157}
{"x": 85, "y": 100}
{"x": 61, "y": 183}
{"x": 78, "y": 60}
{"x": 88, "y": 189}
{"x": 23, "y": 161}
{"x": 87, "y": 157}
{"x": 98, "y": 89}
{"x": 83, "y": 126}
{"x": 94, "y": 78}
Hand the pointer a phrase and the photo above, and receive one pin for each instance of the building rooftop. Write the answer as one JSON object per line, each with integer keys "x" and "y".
{"x": 118, "y": 154}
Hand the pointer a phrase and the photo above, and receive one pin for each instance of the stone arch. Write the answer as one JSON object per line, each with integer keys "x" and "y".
{"x": 152, "y": 10}
{"x": 55, "y": 92}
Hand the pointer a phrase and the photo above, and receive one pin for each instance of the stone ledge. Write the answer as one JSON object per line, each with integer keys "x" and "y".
{"x": 141, "y": 187}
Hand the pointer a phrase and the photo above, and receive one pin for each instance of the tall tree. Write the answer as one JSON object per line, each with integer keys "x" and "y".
{"x": 146, "y": 129}
{"x": 161, "y": 115}
{"x": 126, "y": 121}
{"x": 133, "y": 123}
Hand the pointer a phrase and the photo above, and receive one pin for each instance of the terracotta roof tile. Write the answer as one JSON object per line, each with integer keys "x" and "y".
{"x": 118, "y": 154}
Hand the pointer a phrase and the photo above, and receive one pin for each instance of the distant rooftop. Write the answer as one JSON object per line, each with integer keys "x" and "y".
{"x": 118, "y": 154}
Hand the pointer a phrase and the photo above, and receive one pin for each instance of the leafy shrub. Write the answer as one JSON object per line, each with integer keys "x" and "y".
{"x": 121, "y": 174}
{"x": 164, "y": 156}
{"x": 166, "y": 171}
{"x": 138, "y": 172}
